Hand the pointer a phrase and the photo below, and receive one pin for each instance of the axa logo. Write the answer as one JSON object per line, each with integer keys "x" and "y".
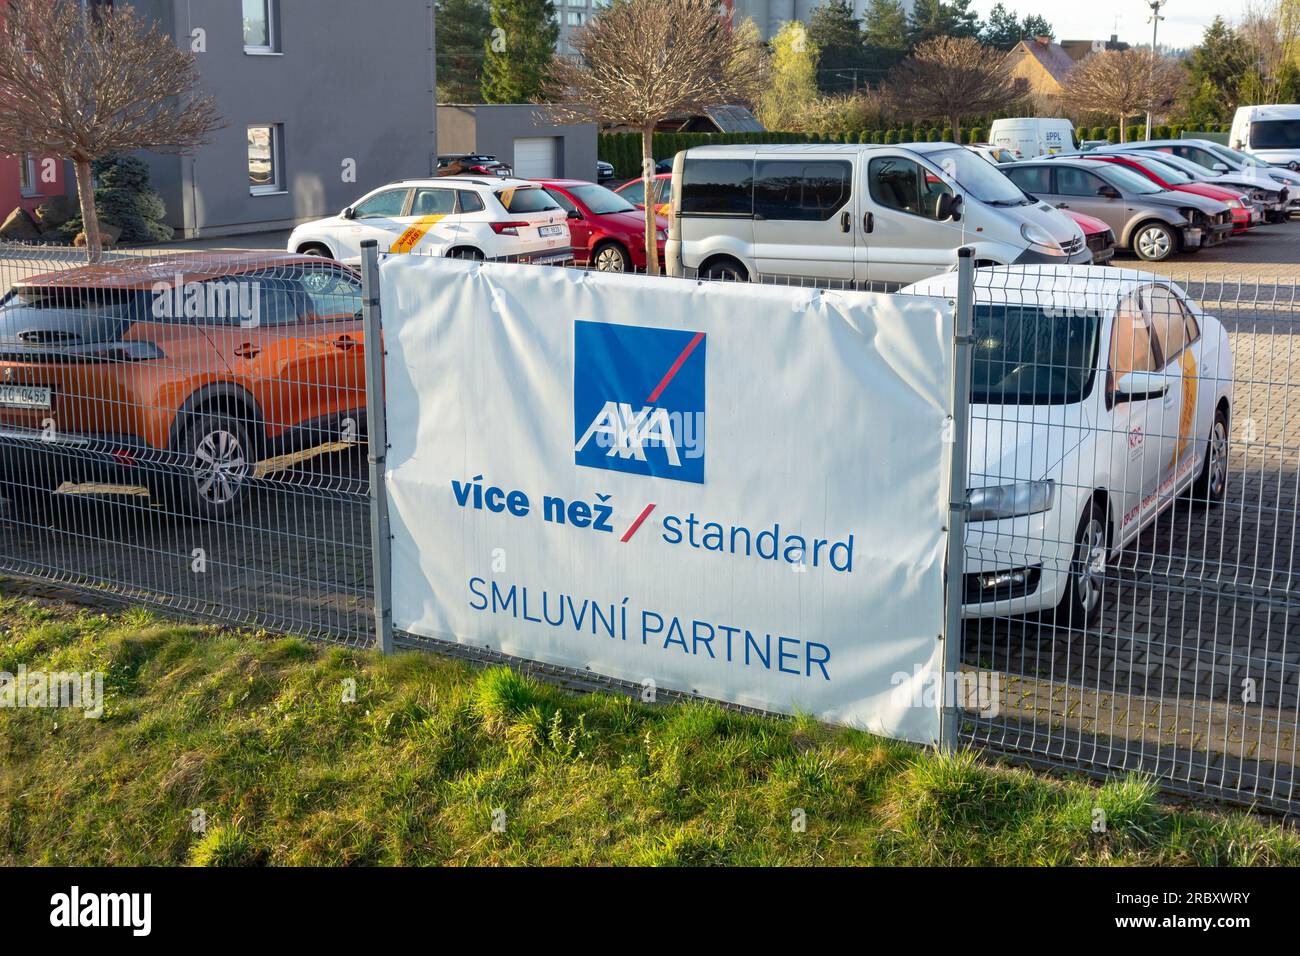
{"x": 638, "y": 400}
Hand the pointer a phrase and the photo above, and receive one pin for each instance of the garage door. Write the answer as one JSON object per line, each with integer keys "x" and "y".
{"x": 535, "y": 157}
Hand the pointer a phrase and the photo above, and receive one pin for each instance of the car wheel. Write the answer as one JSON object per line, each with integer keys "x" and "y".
{"x": 216, "y": 466}
{"x": 611, "y": 257}
{"x": 725, "y": 270}
{"x": 1211, "y": 485}
{"x": 315, "y": 250}
{"x": 1154, "y": 242}
{"x": 1081, "y": 604}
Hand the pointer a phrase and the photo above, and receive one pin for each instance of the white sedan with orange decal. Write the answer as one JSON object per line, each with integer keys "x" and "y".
{"x": 467, "y": 217}
{"x": 1098, "y": 397}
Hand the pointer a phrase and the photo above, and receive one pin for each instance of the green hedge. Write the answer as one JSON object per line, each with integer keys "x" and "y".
{"x": 623, "y": 150}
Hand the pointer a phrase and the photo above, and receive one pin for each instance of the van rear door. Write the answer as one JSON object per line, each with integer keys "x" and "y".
{"x": 803, "y": 216}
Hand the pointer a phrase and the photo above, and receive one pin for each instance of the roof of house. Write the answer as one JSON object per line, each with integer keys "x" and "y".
{"x": 1051, "y": 56}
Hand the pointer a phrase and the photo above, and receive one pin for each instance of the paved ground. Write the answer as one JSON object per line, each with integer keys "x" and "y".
{"x": 1194, "y": 670}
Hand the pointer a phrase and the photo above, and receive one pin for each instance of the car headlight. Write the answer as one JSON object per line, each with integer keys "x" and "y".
{"x": 1234, "y": 204}
{"x": 1040, "y": 239}
{"x": 1011, "y": 501}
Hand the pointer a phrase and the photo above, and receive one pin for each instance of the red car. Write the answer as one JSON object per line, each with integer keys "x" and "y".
{"x": 1167, "y": 177}
{"x": 634, "y": 192}
{"x": 1097, "y": 234}
{"x": 606, "y": 231}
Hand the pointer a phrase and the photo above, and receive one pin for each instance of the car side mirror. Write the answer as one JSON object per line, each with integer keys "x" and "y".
{"x": 949, "y": 207}
{"x": 348, "y": 213}
{"x": 574, "y": 214}
{"x": 1109, "y": 192}
{"x": 1220, "y": 167}
{"x": 1141, "y": 386}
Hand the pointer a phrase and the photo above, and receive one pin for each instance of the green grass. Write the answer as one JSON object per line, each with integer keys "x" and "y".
{"x": 252, "y": 730}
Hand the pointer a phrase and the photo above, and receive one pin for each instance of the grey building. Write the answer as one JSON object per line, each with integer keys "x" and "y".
{"x": 519, "y": 135}
{"x": 769, "y": 15}
{"x": 323, "y": 101}
{"x": 571, "y": 15}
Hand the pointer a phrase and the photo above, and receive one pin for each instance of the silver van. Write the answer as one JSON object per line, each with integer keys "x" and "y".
{"x": 854, "y": 213}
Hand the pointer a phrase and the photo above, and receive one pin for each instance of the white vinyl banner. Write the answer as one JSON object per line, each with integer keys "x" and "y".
{"x": 729, "y": 489}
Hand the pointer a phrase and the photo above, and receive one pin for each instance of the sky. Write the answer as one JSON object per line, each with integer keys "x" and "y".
{"x": 1183, "y": 23}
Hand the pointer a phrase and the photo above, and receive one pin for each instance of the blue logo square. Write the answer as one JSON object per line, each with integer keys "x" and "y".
{"x": 638, "y": 400}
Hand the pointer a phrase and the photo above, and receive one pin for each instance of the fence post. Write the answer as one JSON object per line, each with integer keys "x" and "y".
{"x": 377, "y": 442}
{"x": 949, "y": 714}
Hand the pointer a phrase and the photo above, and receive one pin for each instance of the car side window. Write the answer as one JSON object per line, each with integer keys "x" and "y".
{"x": 565, "y": 202}
{"x": 1130, "y": 342}
{"x": 1077, "y": 182}
{"x": 468, "y": 201}
{"x": 1169, "y": 321}
{"x": 1035, "y": 180}
{"x": 386, "y": 205}
{"x": 334, "y": 295}
{"x": 634, "y": 193}
{"x": 433, "y": 202}
{"x": 801, "y": 191}
{"x": 905, "y": 185}
{"x": 661, "y": 190}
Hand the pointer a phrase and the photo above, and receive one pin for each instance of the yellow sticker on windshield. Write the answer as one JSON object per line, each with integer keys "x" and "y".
{"x": 414, "y": 233}
{"x": 505, "y": 196}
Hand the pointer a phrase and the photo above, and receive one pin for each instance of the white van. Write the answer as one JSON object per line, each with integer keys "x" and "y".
{"x": 1271, "y": 134}
{"x": 1034, "y": 135}
{"x": 860, "y": 214}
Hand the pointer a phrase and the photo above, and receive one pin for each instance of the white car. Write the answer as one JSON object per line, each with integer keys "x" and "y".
{"x": 468, "y": 217}
{"x": 1098, "y": 396}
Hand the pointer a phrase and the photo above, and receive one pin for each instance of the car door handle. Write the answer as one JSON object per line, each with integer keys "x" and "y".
{"x": 344, "y": 342}
{"x": 247, "y": 350}
{"x": 868, "y": 221}
{"x": 846, "y": 222}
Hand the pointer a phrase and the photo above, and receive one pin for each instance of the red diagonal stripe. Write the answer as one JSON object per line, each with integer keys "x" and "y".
{"x": 677, "y": 367}
{"x": 639, "y": 518}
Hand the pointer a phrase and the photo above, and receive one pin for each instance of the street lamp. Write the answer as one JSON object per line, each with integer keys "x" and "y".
{"x": 1155, "y": 19}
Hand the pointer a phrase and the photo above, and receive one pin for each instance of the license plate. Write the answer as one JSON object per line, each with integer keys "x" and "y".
{"x": 24, "y": 396}
{"x": 551, "y": 230}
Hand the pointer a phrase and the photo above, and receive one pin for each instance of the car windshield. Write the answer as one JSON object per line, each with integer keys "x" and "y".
{"x": 533, "y": 199}
{"x": 978, "y": 177}
{"x": 600, "y": 200}
{"x": 1129, "y": 180}
{"x": 1235, "y": 158}
{"x": 1167, "y": 172}
{"x": 1275, "y": 134}
{"x": 1025, "y": 356}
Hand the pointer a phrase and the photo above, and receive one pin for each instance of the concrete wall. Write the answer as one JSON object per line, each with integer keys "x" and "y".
{"x": 494, "y": 128}
{"x": 352, "y": 81}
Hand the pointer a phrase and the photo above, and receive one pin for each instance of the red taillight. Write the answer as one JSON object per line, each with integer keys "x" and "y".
{"x": 508, "y": 228}
{"x": 122, "y": 456}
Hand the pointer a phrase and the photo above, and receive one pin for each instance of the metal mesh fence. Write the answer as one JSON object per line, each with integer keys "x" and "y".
{"x": 188, "y": 430}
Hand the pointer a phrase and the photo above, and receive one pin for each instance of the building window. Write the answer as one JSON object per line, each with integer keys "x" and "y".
{"x": 260, "y": 26}
{"x": 575, "y": 18}
{"x": 264, "y": 159}
{"x": 27, "y": 174}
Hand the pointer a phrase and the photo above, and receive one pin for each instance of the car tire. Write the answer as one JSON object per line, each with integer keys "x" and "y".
{"x": 1080, "y": 605}
{"x": 1154, "y": 242}
{"x": 611, "y": 257}
{"x": 725, "y": 270}
{"x": 215, "y": 467}
{"x": 315, "y": 249}
{"x": 1211, "y": 485}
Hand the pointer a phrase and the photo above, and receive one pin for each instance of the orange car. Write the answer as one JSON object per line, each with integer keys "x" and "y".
{"x": 181, "y": 372}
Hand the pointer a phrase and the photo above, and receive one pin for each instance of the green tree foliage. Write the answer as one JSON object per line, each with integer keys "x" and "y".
{"x": 519, "y": 55}
{"x": 1004, "y": 29}
{"x": 464, "y": 27}
{"x": 884, "y": 35}
{"x": 939, "y": 18}
{"x": 1216, "y": 70}
{"x": 125, "y": 199}
{"x": 793, "y": 86}
{"x": 838, "y": 35}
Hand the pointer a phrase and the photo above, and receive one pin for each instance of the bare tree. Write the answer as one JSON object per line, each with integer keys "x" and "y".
{"x": 84, "y": 84}
{"x": 1271, "y": 30}
{"x": 951, "y": 78}
{"x": 1123, "y": 83}
{"x": 640, "y": 62}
